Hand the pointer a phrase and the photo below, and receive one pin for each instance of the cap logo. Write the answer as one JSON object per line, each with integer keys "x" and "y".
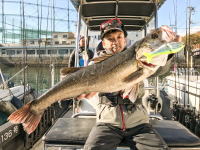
{"x": 112, "y": 24}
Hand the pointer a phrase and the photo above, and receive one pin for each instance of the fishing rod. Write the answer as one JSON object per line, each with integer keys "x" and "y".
{"x": 24, "y": 46}
{"x": 15, "y": 74}
{"x": 5, "y": 85}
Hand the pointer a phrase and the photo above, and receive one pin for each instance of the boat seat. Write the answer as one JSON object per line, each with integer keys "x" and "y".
{"x": 74, "y": 131}
{"x": 175, "y": 134}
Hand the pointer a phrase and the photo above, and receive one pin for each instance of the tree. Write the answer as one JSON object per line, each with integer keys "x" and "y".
{"x": 194, "y": 38}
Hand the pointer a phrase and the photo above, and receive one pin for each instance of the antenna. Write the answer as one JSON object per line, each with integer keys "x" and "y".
{"x": 68, "y": 16}
{"x": 175, "y": 15}
{"x": 191, "y": 9}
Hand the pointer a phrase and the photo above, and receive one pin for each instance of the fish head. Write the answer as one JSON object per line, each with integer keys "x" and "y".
{"x": 153, "y": 41}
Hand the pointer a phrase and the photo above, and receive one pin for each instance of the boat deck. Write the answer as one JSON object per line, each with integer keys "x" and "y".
{"x": 39, "y": 145}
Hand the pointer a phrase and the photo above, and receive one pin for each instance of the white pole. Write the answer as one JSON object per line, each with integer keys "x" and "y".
{"x": 157, "y": 87}
{"x": 52, "y": 75}
{"x": 78, "y": 37}
{"x": 4, "y": 83}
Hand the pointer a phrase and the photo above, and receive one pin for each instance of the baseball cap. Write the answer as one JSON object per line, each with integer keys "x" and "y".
{"x": 112, "y": 24}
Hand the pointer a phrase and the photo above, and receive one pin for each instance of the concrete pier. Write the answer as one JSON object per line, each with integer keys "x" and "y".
{"x": 35, "y": 61}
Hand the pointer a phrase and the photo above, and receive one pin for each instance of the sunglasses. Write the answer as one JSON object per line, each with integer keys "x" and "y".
{"x": 112, "y": 23}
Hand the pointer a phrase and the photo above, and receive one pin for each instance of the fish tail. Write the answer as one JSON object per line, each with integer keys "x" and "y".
{"x": 148, "y": 56}
{"x": 28, "y": 119}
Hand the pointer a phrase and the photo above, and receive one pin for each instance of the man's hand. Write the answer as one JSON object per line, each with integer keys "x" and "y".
{"x": 87, "y": 96}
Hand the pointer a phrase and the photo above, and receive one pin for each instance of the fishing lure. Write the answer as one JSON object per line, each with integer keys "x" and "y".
{"x": 168, "y": 48}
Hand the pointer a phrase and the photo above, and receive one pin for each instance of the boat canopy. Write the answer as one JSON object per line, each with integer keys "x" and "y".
{"x": 135, "y": 14}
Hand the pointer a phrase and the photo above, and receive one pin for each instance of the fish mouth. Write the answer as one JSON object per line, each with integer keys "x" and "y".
{"x": 148, "y": 64}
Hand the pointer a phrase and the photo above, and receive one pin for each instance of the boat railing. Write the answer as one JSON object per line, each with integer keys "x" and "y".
{"x": 48, "y": 119}
{"x": 13, "y": 135}
{"x": 183, "y": 88}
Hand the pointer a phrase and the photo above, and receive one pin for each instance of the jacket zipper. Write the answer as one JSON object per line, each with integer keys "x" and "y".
{"x": 122, "y": 115}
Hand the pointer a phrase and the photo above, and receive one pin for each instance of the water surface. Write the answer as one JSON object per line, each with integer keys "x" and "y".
{"x": 38, "y": 77}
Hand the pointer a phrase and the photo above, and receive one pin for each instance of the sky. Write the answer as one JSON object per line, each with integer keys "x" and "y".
{"x": 166, "y": 15}
{"x": 13, "y": 16}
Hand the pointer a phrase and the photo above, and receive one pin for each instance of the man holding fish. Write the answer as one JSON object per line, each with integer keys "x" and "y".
{"x": 117, "y": 76}
{"x": 121, "y": 115}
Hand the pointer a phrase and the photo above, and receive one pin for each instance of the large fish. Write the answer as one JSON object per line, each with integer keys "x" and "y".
{"x": 115, "y": 73}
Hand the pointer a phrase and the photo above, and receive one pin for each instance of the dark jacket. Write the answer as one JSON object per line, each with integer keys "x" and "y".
{"x": 126, "y": 115}
{"x": 72, "y": 57}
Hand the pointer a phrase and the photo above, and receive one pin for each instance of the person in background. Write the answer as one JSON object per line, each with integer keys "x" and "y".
{"x": 121, "y": 115}
{"x": 84, "y": 55}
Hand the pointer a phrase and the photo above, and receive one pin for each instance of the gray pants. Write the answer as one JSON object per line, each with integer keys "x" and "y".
{"x": 106, "y": 137}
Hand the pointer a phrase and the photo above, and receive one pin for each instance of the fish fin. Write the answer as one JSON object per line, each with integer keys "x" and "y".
{"x": 134, "y": 76}
{"x": 28, "y": 119}
{"x": 67, "y": 70}
{"x": 101, "y": 58}
{"x": 148, "y": 56}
